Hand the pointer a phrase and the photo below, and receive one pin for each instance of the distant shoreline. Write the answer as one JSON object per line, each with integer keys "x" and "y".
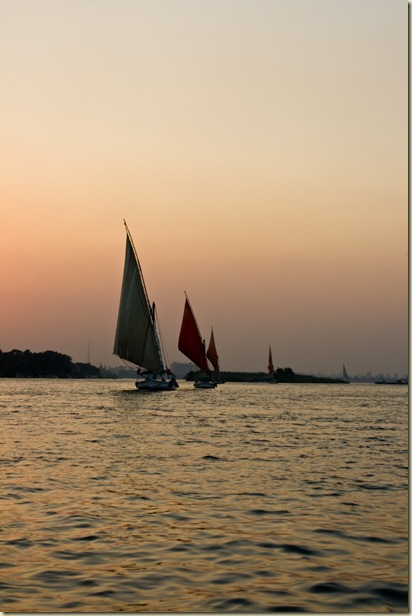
{"x": 51, "y": 364}
{"x": 263, "y": 377}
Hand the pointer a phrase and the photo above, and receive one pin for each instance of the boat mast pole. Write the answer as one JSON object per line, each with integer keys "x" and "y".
{"x": 159, "y": 340}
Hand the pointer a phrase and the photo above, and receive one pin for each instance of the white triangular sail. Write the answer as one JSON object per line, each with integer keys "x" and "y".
{"x": 136, "y": 337}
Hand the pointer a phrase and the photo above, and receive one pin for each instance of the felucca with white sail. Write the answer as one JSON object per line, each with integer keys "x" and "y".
{"x": 137, "y": 334}
{"x": 192, "y": 345}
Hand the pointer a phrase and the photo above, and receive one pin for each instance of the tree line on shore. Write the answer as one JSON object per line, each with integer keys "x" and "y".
{"x": 16, "y": 363}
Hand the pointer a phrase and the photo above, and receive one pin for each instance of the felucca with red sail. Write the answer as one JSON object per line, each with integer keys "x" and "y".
{"x": 272, "y": 378}
{"x": 193, "y": 346}
{"x": 213, "y": 357}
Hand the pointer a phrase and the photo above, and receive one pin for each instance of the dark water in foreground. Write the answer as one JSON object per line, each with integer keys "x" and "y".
{"x": 247, "y": 498}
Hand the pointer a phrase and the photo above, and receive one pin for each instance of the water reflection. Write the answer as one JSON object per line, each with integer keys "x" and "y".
{"x": 243, "y": 498}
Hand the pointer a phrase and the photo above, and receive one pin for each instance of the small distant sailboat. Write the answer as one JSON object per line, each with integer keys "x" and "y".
{"x": 137, "y": 337}
{"x": 212, "y": 355}
{"x": 271, "y": 368}
{"x": 193, "y": 346}
{"x": 345, "y": 375}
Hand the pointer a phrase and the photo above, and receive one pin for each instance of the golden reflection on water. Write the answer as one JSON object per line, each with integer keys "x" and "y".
{"x": 250, "y": 498}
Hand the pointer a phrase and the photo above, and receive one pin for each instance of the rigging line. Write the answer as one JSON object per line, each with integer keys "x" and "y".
{"x": 161, "y": 340}
{"x": 126, "y": 364}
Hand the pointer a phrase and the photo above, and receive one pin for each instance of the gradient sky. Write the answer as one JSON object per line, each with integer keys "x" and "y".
{"x": 258, "y": 150}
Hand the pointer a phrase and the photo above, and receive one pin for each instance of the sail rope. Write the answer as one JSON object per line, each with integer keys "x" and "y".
{"x": 133, "y": 368}
{"x": 161, "y": 340}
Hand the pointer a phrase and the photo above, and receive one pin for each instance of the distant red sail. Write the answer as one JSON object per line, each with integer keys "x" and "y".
{"x": 270, "y": 366}
{"x": 190, "y": 341}
{"x": 212, "y": 353}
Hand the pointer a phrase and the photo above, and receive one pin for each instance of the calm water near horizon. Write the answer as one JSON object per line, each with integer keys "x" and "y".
{"x": 247, "y": 498}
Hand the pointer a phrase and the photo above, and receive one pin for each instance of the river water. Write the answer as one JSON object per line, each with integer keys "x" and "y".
{"x": 247, "y": 498}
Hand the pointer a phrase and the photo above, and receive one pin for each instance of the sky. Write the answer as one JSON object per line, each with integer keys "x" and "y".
{"x": 258, "y": 151}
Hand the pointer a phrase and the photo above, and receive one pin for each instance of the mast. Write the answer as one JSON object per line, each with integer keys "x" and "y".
{"x": 157, "y": 336}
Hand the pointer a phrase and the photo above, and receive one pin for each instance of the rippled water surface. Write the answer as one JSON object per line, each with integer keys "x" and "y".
{"x": 247, "y": 498}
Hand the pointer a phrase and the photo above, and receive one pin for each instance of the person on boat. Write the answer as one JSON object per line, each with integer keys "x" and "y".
{"x": 172, "y": 382}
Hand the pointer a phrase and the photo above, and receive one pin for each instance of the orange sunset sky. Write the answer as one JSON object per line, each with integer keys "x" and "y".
{"x": 258, "y": 150}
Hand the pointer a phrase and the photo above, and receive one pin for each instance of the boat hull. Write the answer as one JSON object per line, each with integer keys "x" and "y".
{"x": 203, "y": 385}
{"x": 156, "y": 385}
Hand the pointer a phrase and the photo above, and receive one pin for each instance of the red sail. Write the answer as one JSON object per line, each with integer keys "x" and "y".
{"x": 270, "y": 366}
{"x": 190, "y": 341}
{"x": 212, "y": 353}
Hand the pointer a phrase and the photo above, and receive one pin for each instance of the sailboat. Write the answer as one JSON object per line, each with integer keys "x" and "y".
{"x": 137, "y": 337}
{"x": 193, "y": 346}
{"x": 212, "y": 355}
{"x": 272, "y": 378}
{"x": 345, "y": 375}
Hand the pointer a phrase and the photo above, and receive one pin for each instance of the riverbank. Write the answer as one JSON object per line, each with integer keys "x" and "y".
{"x": 282, "y": 376}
